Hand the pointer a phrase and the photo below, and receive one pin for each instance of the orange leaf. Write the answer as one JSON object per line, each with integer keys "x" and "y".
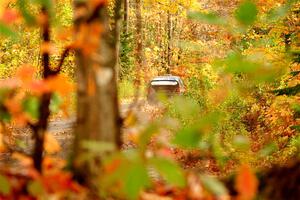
{"x": 48, "y": 47}
{"x": 2, "y": 145}
{"x": 25, "y": 161}
{"x": 51, "y": 145}
{"x": 13, "y": 105}
{"x": 42, "y": 19}
{"x": 246, "y": 183}
{"x": 9, "y": 16}
{"x": 11, "y": 83}
{"x": 53, "y": 163}
{"x": 38, "y": 87}
{"x": 60, "y": 84}
{"x": 26, "y": 73}
{"x": 65, "y": 34}
{"x": 95, "y": 3}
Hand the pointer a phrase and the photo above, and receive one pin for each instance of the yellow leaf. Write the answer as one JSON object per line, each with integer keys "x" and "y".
{"x": 130, "y": 120}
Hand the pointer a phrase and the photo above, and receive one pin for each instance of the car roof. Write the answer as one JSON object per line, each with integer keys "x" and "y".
{"x": 167, "y": 78}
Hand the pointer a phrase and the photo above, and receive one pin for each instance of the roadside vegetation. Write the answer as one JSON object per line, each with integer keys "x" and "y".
{"x": 233, "y": 133}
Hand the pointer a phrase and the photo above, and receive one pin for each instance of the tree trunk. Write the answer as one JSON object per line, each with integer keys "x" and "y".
{"x": 139, "y": 34}
{"x": 126, "y": 15}
{"x": 97, "y": 102}
{"x": 40, "y": 127}
{"x": 169, "y": 44}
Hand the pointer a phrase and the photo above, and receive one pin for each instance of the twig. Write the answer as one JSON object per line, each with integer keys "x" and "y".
{"x": 64, "y": 55}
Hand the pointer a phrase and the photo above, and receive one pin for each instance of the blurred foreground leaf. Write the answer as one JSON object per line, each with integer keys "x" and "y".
{"x": 97, "y": 146}
{"x": 246, "y": 13}
{"x": 6, "y": 31}
{"x": 187, "y": 138}
{"x": 146, "y": 135}
{"x": 210, "y": 18}
{"x": 213, "y": 185}
{"x": 246, "y": 183}
{"x": 4, "y": 185}
{"x": 241, "y": 142}
{"x": 35, "y": 188}
{"x": 31, "y": 106}
{"x": 268, "y": 150}
{"x": 278, "y": 13}
{"x": 169, "y": 170}
{"x": 135, "y": 179}
{"x": 23, "y": 8}
{"x": 55, "y": 103}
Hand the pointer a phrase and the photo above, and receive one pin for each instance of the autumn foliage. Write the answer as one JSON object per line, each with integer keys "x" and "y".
{"x": 235, "y": 126}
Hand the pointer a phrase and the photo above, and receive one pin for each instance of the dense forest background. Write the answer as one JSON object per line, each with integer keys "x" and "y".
{"x": 75, "y": 122}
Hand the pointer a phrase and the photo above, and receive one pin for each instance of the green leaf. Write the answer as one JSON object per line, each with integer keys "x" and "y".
{"x": 169, "y": 170}
{"x": 241, "y": 142}
{"x": 280, "y": 12}
{"x": 296, "y": 128}
{"x": 246, "y": 13}
{"x": 35, "y": 188}
{"x": 213, "y": 185}
{"x": 4, "y": 116}
{"x": 23, "y": 8}
{"x": 237, "y": 63}
{"x": 55, "y": 102}
{"x": 97, "y": 146}
{"x": 48, "y": 4}
{"x": 277, "y": 13}
{"x": 187, "y": 138}
{"x": 146, "y": 135}
{"x": 268, "y": 150}
{"x": 6, "y": 31}
{"x": 210, "y": 18}
{"x": 45, "y": 3}
{"x": 296, "y": 108}
{"x": 31, "y": 106}
{"x": 289, "y": 91}
{"x": 295, "y": 73}
{"x": 4, "y": 185}
{"x": 135, "y": 180}
{"x": 209, "y": 120}
{"x": 186, "y": 107}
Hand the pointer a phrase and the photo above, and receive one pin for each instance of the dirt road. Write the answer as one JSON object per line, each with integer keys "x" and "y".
{"x": 61, "y": 129}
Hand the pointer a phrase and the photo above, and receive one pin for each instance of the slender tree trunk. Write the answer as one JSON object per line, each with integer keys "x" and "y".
{"x": 97, "y": 102}
{"x": 117, "y": 34}
{"x": 126, "y": 15}
{"x": 161, "y": 42}
{"x": 40, "y": 127}
{"x": 139, "y": 34}
{"x": 169, "y": 43}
